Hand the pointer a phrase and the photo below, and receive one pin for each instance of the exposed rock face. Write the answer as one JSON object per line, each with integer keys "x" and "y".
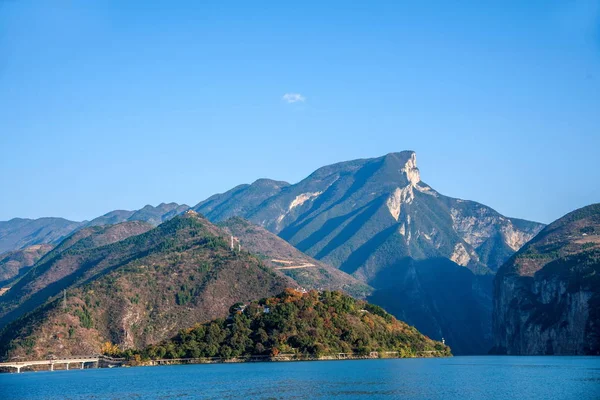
{"x": 394, "y": 203}
{"x": 460, "y": 255}
{"x": 301, "y": 199}
{"x": 483, "y": 228}
{"x": 547, "y": 296}
{"x": 411, "y": 171}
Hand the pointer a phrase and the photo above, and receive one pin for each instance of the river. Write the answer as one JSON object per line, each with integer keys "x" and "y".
{"x": 485, "y": 377}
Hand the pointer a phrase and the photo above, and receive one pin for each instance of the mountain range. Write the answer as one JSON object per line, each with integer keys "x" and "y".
{"x": 19, "y": 233}
{"x": 369, "y": 227}
{"x": 130, "y": 284}
{"x": 376, "y": 220}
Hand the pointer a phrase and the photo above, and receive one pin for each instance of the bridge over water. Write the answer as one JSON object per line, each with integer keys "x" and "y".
{"x": 79, "y": 361}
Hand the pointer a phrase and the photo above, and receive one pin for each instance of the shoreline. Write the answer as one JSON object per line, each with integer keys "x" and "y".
{"x": 122, "y": 363}
{"x": 281, "y": 358}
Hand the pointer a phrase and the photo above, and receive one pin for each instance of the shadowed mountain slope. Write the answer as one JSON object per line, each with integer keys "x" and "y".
{"x": 442, "y": 298}
{"x": 15, "y": 263}
{"x": 19, "y": 233}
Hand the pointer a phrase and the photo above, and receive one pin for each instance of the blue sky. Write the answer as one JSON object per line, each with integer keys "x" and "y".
{"x": 114, "y": 105}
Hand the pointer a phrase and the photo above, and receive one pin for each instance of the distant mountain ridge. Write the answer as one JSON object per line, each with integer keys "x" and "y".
{"x": 129, "y": 284}
{"x": 153, "y": 215}
{"x": 19, "y": 233}
{"x": 335, "y": 209}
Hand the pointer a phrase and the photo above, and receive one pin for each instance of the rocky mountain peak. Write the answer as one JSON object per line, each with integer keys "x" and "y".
{"x": 411, "y": 171}
{"x": 400, "y": 168}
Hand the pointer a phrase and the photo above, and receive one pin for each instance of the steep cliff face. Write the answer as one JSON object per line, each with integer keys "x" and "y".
{"x": 547, "y": 296}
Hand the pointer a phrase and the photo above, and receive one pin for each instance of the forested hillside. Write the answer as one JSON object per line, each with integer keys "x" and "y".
{"x": 311, "y": 324}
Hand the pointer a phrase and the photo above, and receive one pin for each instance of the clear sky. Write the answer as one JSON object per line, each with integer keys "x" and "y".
{"x": 116, "y": 104}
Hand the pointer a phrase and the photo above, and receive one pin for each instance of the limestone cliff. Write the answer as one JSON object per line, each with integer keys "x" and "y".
{"x": 547, "y": 296}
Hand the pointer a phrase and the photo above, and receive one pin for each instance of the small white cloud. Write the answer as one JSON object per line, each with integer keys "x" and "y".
{"x": 293, "y": 98}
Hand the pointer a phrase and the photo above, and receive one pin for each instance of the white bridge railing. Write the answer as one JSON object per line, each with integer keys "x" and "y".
{"x": 79, "y": 360}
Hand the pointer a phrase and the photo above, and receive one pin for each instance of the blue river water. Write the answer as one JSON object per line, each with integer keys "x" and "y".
{"x": 485, "y": 377}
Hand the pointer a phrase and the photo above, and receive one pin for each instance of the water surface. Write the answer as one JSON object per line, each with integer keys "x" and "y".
{"x": 486, "y": 377}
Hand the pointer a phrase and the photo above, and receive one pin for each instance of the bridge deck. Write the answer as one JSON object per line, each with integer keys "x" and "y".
{"x": 69, "y": 360}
